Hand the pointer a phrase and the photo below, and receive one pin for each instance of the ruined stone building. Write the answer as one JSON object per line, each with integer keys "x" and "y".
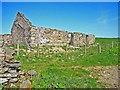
{"x": 27, "y": 34}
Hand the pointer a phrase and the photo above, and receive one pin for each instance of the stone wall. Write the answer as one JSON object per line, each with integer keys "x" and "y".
{"x": 90, "y": 38}
{"x": 27, "y": 34}
{"x": 11, "y": 75}
{"x": 7, "y": 38}
{"x": 20, "y": 29}
{"x": 9, "y": 67}
{"x": 47, "y": 36}
{"x": 78, "y": 39}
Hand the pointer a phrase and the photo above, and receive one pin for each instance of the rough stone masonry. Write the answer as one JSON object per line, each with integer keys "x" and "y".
{"x": 29, "y": 35}
{"x": 9, "y": 67}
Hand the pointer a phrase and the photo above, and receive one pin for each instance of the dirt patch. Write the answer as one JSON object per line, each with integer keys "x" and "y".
{"x": 107, "y": 75}
{"x": 72, "y": 67}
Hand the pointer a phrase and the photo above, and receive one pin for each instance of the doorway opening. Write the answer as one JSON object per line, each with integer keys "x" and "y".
{"x": 70, "y": 36}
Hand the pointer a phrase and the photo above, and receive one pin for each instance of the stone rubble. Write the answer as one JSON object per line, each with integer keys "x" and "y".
{"x": 32, "y": 73}
{"x": 25, "y": 84}
{"x": 9, "y": 68}
{"x": 10, "y": 72}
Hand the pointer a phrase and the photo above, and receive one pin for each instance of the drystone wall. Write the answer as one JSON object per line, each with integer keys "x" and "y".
{"x": 9, "y": 67}
{"x": 11, "y": 76}
{"x": 27, "y": 34}
{"x": 47, "y": 36}
{"x": 78, "y": 39}
{"x": 90, "y": 39}
{"x": 7, "y": 38}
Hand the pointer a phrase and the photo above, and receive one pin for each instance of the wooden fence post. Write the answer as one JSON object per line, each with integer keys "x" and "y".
{"x": 18, "y": 47}
{"x": 38, "y": 47}
{"x": 99, "y": 48}
{"x": 66, "y": 51}
{"x": 85, "y": 50}
{"x": 117, "y": 43}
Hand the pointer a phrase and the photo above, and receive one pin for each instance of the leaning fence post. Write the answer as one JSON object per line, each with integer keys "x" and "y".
{"x": 99, "y": 48}
{"x": 18, "y": 47}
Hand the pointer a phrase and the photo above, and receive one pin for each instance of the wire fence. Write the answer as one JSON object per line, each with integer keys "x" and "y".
{"x": 100, "y": 47}
{"x": 84, "y": 50}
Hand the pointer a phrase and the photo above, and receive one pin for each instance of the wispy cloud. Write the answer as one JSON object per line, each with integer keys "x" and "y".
{"x": 102, "y": 20}
{"x": 105, "y": 19}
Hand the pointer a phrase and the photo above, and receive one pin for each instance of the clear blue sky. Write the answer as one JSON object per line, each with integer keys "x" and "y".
{"x": 97, "y": 18}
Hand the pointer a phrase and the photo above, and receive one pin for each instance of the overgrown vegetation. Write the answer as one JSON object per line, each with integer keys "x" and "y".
{"x": 61, "y": 70}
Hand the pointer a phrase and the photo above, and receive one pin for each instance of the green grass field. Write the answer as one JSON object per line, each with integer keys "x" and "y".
{"x": 65, "y": 70}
